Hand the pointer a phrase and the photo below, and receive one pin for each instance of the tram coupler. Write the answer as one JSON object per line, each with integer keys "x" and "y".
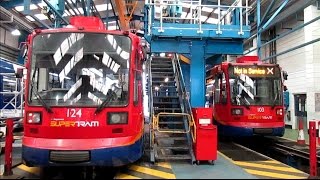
{"x": 8, "y": 148}
{"x": 313, "y": 149}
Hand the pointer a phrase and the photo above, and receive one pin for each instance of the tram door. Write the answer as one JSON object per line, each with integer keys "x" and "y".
{"x": 300, "y": 109}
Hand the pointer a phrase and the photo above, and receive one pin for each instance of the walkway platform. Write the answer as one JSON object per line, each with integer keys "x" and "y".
{"x": 233, "y": 162}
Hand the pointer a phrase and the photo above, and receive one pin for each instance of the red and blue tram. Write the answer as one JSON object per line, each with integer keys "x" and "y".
{"x": 247, "y": 97}
{"x": 83, "y": 97}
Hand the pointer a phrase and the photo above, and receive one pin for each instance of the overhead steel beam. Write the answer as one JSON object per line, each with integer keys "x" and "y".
{"x": 14, "y": 3}
{"x": 267, "y": 11}
{"x": 287, "y": 33}
{"x": 114, "y": 12}
{"x": 39, "y": 21}
{"x": 297, "y": 5}
{"x": 16, "y": 19}
{"x": 120, "y": 6}
{"x": 292, "y": 49}
{"x": 274, "y": 15}
{"x": 70, "y": 7}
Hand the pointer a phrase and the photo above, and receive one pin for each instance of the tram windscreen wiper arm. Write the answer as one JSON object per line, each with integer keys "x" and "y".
{"x": 46, "y": 106}
{"x": 106, "y": 101}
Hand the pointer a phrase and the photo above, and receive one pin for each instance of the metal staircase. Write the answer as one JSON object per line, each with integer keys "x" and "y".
{"x": 172, "y": 124}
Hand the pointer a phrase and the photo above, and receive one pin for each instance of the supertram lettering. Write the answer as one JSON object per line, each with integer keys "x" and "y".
{"x": 74, "y": 123}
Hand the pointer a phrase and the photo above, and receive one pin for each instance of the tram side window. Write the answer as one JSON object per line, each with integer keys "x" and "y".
{"x": 216, "y": 90}
{"x": 223, "y": 89}
{"x": 220, "y": 93}
{"x": 137, "y": 78}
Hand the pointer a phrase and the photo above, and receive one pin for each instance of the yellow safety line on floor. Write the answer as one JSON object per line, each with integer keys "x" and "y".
{"x": 164, "y": 164}
{"x": 125, "y": 176}
{"x": 270, "y": 162}
{"x": 225, "y": 156}
{"x": 152, "y": 172}
{"x": 32, "y": 170}
{"x": 274, "y": 175}
{"x": 253, "y": 164}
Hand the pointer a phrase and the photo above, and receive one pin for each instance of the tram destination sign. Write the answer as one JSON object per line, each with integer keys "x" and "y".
{"x": 255, "y": 71}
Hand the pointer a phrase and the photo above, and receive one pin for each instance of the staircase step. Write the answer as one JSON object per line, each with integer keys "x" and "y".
{"x": 163, "y": 81}
{"x": 161, "y": 69}
{"x": 173, "y": 138}
{"x": 163, "y": 74}
{"x": 170, "y": 122}
{"x": 161, "y": 59}
{"x": 167, "y": 109}
{"x": 180, "y": 157}
{"x": 165, "y": 86}
{"x": 174, "y": 147}
{"x": 165, "y": 97}
{"x": 173, "y": 130}
{"x": 161, "y": 65}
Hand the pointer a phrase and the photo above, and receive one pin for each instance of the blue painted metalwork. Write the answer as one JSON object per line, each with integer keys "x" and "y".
{"x": 186, "y": 74}
{"x": 258, "y": 30}
{"x": 83, "y": 4}
{"x": 267, "y": 11}
{"x": 57, "y": 8}
{"x": 13, "y": 3}
{"x": 190, "y": 30}
{"x": 235, "y": 17}
{"x": 197, "y": 74}
{"x": 198, "y": 40}
{"x": 26, "y": 6}
{"x": 214, "y": 60}
{"x": 274, "y": 15}
{"x": 184, "y": 47}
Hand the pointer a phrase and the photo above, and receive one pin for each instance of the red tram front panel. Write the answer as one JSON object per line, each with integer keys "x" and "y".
{"x": 248, "y": 98}
{"x": 83, "y": 96}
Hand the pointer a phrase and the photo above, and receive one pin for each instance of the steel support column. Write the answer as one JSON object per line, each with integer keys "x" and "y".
{"x": 197, "y": 75}
{"x": 258, "y": 31}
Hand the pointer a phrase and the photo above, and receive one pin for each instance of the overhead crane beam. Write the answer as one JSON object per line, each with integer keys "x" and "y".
{"x": 122, "y": 15}
{"x": 120, "y": 7}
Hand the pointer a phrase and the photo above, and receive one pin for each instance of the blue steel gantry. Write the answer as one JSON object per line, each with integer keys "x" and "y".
{"x": 166, "y": 31}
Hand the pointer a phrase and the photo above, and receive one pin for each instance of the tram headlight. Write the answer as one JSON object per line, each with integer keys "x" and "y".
{"x": 279, "y": 112}
{"x": 117, "y": 118}
{"x": 237, "y": 111}
{"x": 34, "y": 118}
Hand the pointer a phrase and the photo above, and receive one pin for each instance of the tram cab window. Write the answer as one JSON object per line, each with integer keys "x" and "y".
{"x": 220, "y": 93}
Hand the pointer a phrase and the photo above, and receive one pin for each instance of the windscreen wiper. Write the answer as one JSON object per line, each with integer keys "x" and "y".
{"x": 46, "y": 106}
{"x": 244, "y": 102}
{"x": 110, "y": 95}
